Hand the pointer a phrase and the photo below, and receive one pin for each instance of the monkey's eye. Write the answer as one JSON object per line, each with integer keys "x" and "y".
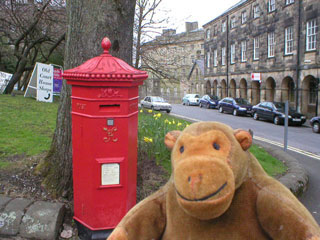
{"x": 216, "y": 146}
{"x": 182, "y": 149}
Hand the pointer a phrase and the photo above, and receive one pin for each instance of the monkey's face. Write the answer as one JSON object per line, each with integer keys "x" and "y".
{"x": 203, "y": 172}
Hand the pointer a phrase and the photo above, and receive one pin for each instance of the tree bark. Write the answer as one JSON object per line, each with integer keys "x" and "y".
{"x": 88, "y": 23}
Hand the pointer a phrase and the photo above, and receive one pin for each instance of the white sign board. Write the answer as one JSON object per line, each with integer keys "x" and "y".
{"x": 110, "y": 174}
{"x": 256, "y": 77}
{"x": 4, "y": 79}
{"x": 41, "y": 83}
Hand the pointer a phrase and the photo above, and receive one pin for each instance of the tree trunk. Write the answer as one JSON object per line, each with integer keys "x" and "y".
{"x": 88, "y": 23}
{"x": 16, "y": 76}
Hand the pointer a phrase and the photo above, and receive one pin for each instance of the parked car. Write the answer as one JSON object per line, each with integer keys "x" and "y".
{"x": 156, "y": 103}
{"x": 315, "y": 123}
{"x": 191, "y": 99}
{"x": 236, "y": 106}
{"x": 275, "y": 111}
{"x": 209, "y": 101}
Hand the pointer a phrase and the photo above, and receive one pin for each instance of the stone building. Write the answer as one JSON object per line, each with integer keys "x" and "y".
{"x": 169, "y": 59}
{"x": 266, "y": 50}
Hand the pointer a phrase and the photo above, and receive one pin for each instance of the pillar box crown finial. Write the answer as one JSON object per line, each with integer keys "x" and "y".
{"x": 106, "y": 45}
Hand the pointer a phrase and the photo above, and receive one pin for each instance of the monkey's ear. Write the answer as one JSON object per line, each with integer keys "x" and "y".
{"x": 244, "y": 138}
{"x": 171, "y": 138}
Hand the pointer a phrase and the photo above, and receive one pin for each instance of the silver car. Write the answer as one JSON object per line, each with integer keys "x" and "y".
{"x": 156, "y": 103}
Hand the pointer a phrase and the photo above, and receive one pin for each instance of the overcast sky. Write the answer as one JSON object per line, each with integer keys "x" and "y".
{"x": 203, "y": 11}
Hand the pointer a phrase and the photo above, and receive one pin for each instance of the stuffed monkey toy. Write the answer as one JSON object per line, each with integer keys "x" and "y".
{"x": 218, "y": 190}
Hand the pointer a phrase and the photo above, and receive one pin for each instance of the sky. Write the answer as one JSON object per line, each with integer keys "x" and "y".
{"x": 203, "y": 11}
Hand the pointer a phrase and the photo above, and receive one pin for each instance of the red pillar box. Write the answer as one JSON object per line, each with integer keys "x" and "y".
{"x": 104, "y": 140}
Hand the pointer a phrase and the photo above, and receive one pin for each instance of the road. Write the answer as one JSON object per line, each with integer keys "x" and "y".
{"x": 303, "y": 144}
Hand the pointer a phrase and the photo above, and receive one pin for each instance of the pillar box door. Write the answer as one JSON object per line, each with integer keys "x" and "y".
{"x": 104, "y": 138}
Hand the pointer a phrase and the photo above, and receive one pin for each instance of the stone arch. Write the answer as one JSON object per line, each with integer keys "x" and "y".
{"x": 223, "y": 85}
{"x": 215, "y": 88}
{"x": 288, "y": 90}
{"x": 270, "y": 89}
{"x": 255, "y": 96}
{"x": 208, "y": 87}
{"x": 243, "y": 88}
{"x": 232, "y": 88}
{"x": 309, "y": 96}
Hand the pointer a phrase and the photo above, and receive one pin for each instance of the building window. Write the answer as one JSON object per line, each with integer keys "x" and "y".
{"x": 271, "y": 44}
{"x": 208, "y": 34}
{"x": 288, "y": 40}
{"x": 256, "y": 46}
{"x": 243, "y": 17}
{"x": 215, "y": 58}
{"x": 271, "y": 5}
{"x": 214, "y": 30}
{"x": 223, "y": 56}
{"x": 232, "y": 53}
{"x": 311, "y": 35}
{"x": 233, "y": 22}
{"x": 243, "y": 51}
{"x": 289, "y": 2}
{"x": 256, "y": 11}
{"x": 208, "y": 59}
{"x": 223, "y": 26}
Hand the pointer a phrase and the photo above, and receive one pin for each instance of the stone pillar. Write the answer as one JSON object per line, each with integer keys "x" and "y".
{"x": 262, "y": 95}
{"x": 249, "y": 92}
{"x": 277, "y": 95}
{"x": 238, "y": 93}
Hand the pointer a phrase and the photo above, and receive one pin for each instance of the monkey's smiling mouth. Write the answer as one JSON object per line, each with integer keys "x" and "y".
{"x": 204, "y": 198}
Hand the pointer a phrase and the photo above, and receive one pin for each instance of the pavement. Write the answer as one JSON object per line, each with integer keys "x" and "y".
{"x": 27, "y": 219}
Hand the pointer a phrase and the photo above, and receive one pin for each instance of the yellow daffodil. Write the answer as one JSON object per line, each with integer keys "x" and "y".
{"x": 169, "y": 123}
{"x": 166, "y": 121}
{"x": 187, "y": 125}
{"x": 148, "y": 140}
{"x": 141, "y": 111}
{"x": 159, "y": 115}
{"x": 173, "y": 122}
{"x": 149, "y": 111}
{"x": 179, "y": 124}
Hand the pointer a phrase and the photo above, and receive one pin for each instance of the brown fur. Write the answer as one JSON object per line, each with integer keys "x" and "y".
{"x": 217, "y": 190}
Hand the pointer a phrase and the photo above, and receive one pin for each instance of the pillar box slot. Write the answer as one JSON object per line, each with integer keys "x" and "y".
{"x": 110, "y": 108}
{"x": 104, "y": 139}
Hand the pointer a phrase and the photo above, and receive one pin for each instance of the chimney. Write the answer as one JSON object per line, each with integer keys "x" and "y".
{"x": 190, "y": 26}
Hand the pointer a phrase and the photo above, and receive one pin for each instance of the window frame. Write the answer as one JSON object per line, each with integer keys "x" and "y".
{"x": 233, "y": 22}
{"x": 256, "y": 46}
{"x": 271, "y": 5}
{"x": 256, "y": 14}
{"x": 208, "y": 59}
{"x": 288, "y": 40}
{"x": 243, "y": 51}
{"x": 288, "y": 2}
{"x": 223, "y": 56}
{"x": 208, "y": 34}
{"x": 215, "y": 57}
{"x": 311, "y": 36}
{"x": 223, "y": 26}
{"x": 244, "y": 17}
{"x": 271, "y": 44}
{"x": 232, "y": 53}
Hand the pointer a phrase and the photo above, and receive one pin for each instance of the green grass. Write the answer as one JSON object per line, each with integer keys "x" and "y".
{"x": 26, "y": 126}
{"x": 270, "y": 164}
{"x": 155, "y": 128}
